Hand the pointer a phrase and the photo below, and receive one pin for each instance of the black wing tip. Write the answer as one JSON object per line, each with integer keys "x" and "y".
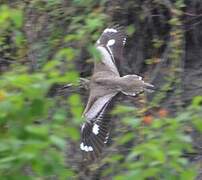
{"x": 120, "y": 28}
{"x": 117, "y": 26}
{"x": 94, "y": 137}
{"x": 116, "y": 32}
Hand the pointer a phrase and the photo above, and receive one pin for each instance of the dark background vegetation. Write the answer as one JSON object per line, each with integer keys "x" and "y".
{"x": 45, "y": 44}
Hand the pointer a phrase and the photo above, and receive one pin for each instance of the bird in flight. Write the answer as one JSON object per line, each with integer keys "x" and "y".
{"x": 106, "y": 83}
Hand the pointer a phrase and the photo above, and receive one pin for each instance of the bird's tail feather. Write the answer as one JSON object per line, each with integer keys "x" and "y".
{"x": 134, "y": 85}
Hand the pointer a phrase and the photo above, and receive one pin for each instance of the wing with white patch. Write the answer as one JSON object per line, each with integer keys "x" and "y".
{"x": 95, "y": 130}
{"x": 113, "y": 39}
{"x": 109, "y": 64}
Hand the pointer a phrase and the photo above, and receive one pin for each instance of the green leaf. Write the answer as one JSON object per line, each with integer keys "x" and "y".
{"x": 37, "y": 107}
{"x": 131, "y": 121}
{"x": 197, "y": 123}
{"x": 94, "y": 53}
{"x": 59, "y": 142}
{"x": 197, "y": 101}
{"x": 123, "y": 109}
{"x": 73, "y": 133}
{"x": 67, "y": 53}
{"x": 75, "y": 106}
{"x": 126, "y": 138}
{"x": 40, "y": 130}
{"x": 17, "y": 18}
{"x": 188, "y": 174}
{"x": 130, "y": 30}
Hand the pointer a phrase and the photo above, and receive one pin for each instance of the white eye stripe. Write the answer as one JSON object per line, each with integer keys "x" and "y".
{"x": 111, "y": 42}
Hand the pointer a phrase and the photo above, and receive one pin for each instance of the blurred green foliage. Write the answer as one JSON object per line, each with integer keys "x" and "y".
{"x": 161, "y": 148}
{"x": 38, "y": 131}
{"x": 34, "y": 126}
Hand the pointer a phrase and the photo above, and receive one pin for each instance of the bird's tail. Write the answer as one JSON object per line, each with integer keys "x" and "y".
{"x": 133, "y": 85}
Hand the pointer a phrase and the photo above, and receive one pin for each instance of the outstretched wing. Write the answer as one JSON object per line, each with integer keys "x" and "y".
{"x": 95, "y": 130}
{"x": 110, "y": 45}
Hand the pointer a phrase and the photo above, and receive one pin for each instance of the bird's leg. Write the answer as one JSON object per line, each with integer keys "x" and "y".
{"x": 82, "y": 83}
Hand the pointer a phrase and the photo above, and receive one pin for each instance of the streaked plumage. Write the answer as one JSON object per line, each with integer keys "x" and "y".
{"x": 104, "y": 85}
